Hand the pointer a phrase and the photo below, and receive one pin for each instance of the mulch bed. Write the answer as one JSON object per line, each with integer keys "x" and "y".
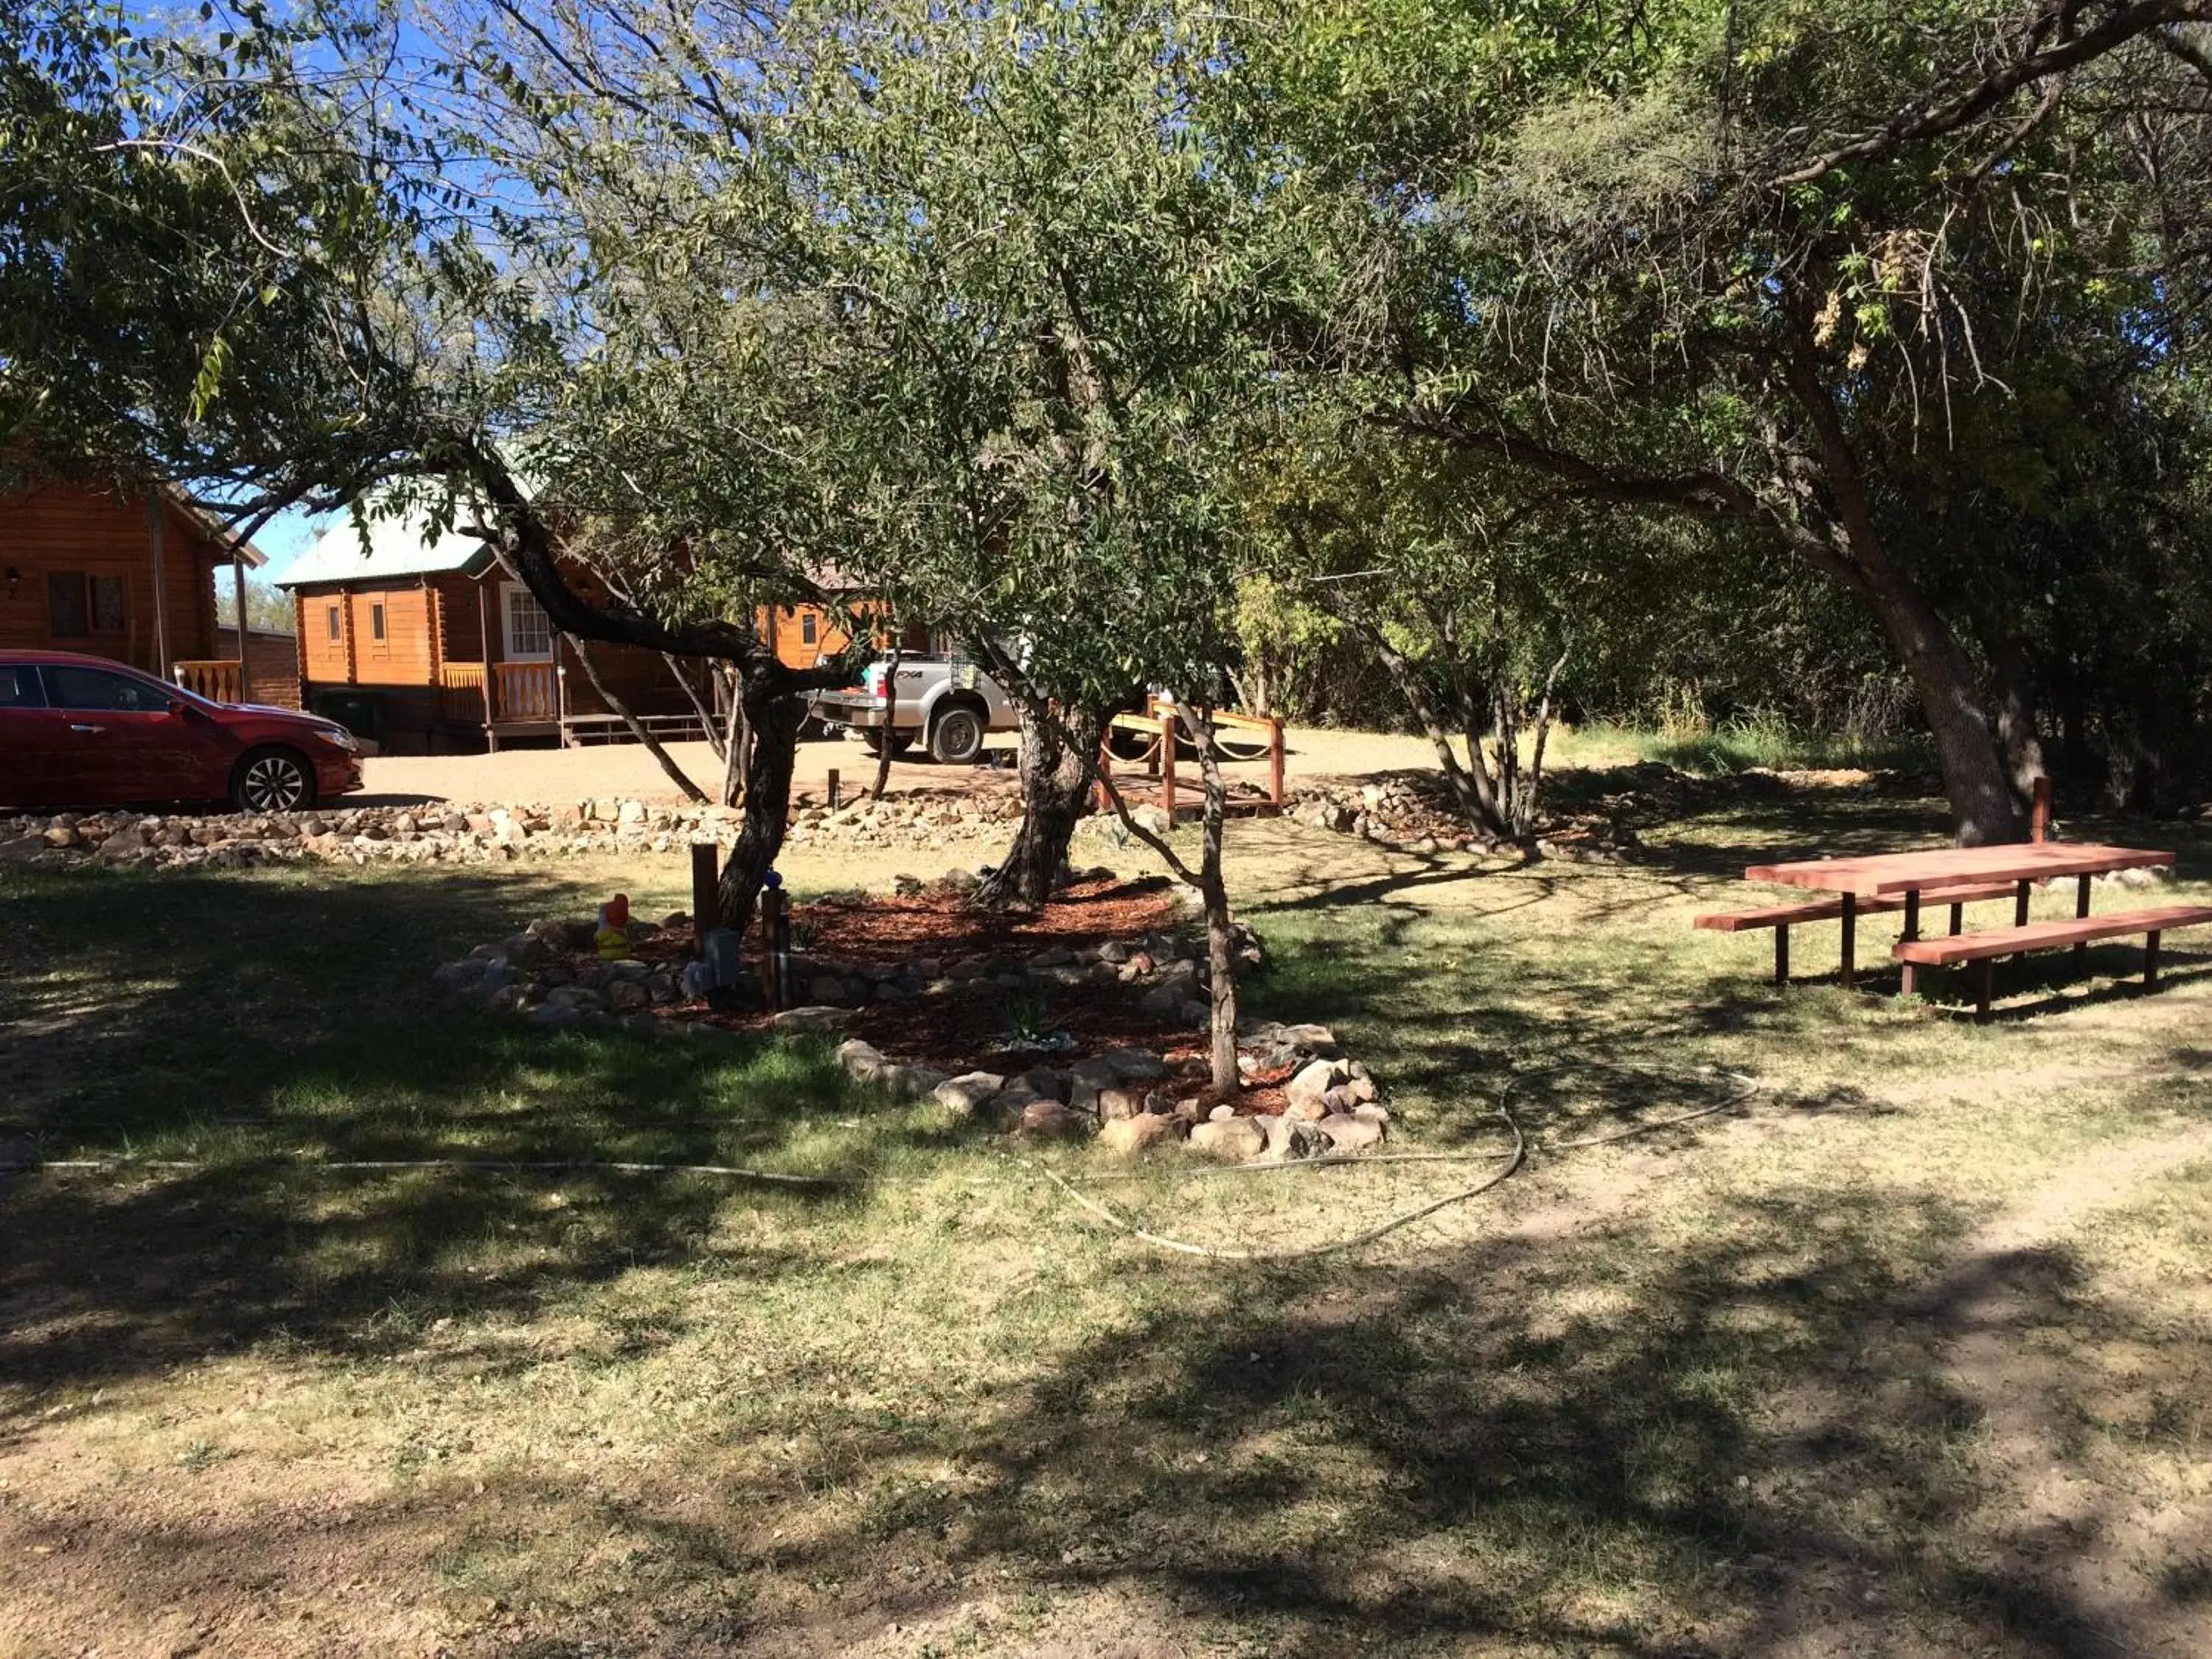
{"x": 967, "y": 1029}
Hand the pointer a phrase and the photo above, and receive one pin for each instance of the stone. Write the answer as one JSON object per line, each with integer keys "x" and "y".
{"x": 460, "y": 976}
{"x": 22, "y": 849}
{"x": 122, "y": 841}
{"x": 553, "y": 1016}
{"x": 1347, "y": 1133}
{"x": 1162, "y": 1004}
{"x": 828, "y": 989}
{"x": 910, "y": 1082}
{"x": 1135, "y": 1065}
{"x": 1049, "y": 1119}
{"x": 1310, "y": 1086}
{"x": 1045, "y": 1083}
{"x": 1056, "y": 955}
{"x": 1085, "y": 1079}
{"x": 630, "y": 811}
{"x": 961, "y": 1095}
{"x": 1113, "y": 951}
{"x": 1221, "y": 1114}
{"x": 1231, "y": 1140}
{"x": 861, "y": 1060}
{"x": 812, "y": 1018}
{"x": 1290, "y": 1139}
{"x": 628, "y": 995}
{"x": 1116, "y": 1103}
{"x": 1126, "y": 1137}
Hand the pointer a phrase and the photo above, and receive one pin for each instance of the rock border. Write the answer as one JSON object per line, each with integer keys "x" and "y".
{"x": 1115, "y": 1098}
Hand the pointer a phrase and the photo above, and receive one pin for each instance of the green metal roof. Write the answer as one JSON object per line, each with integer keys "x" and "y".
{"x": 397, "y": 548}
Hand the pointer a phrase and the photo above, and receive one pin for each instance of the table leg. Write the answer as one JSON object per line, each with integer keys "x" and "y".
{"x": 1912, "y": 913}
{"x": 2081, "y": 908}
{"x": 1958, "y": 919}
{"x": 2019, "y": 913}
{"x": 1907, "y": 981}
{"x": 1850, "y": 973}
{"x": 1782, "y": 955}
{"x": 2150, "y": 960}
{"x": 1983, "y": 969}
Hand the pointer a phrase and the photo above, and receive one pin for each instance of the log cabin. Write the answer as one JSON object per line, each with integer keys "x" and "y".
{"x": 87, "y": 567}
{"x": 423, "y": 642}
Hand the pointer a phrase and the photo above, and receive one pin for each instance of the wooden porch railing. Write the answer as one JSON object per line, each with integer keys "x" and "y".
{"x": 217, "y": 678}
{"x": 524, "y": 691}
{"x": 460, "y": 690}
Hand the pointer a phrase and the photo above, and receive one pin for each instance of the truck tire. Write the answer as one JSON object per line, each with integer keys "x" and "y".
{"x": 956, "y": 737}
{"x": 900, "y": 741}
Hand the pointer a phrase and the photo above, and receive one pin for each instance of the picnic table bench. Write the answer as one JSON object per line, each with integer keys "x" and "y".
{"x": 1888, "y": 880}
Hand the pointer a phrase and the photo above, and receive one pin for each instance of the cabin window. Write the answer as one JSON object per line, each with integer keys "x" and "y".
{"x": 529, "y": 631}
{"x": 18, "y": 689}
{"x": 331, "y": 626}
{"x": 376, "y": 622}
{"x": 809, "y": 630}
{"x": 68, "y": 606}
{"x": 110, "y": 604}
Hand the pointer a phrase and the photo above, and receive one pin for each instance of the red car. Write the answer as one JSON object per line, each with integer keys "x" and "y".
{"x": 80, "y": 731}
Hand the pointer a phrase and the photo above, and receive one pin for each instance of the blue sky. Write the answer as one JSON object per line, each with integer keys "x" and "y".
{"x": 287, "y": 536}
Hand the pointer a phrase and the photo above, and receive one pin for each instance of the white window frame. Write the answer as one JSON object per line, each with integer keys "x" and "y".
{"x": 508, "y": 593}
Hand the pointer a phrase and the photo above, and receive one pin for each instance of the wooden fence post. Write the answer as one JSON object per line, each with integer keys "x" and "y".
{"x": 1167, "y": 765}
{"x": 1275, "y": 760}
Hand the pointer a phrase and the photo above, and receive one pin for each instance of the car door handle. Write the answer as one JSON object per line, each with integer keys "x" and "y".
{"x": 74, "y": 727}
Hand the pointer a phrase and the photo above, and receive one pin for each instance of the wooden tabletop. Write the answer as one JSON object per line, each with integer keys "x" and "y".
{"x": 1900, "y": 873}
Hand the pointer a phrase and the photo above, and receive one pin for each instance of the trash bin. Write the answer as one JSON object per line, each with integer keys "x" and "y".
{"x": 361, "y": 713}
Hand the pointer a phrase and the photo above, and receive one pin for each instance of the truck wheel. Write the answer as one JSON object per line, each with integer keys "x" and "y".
{"x": 901, "y": 742}
{"x": 957, "y": 737}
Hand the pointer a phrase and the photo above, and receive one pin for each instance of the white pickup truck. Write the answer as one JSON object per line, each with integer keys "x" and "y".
{"x": 946, "y": 701}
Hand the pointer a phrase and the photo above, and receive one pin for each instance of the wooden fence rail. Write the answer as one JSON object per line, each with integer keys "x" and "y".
{"x": 219, "y": 679}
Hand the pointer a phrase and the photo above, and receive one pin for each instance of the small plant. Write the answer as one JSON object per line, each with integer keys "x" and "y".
{"x": 1025, "y": 1020}
{"x": 201, "y": 1454}
{"x": 804, "y": 934}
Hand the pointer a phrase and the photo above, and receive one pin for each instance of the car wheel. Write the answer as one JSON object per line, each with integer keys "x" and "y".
{"x": 873, "y": 742}
{"x": 272, "y": 780}
{"x": 957, "y": 737}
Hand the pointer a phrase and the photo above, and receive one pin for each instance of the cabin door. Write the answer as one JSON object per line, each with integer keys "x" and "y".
{"x": 525, "y": 628}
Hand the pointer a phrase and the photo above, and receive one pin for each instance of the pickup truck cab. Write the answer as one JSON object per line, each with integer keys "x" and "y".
{"x": 946, "y": 703}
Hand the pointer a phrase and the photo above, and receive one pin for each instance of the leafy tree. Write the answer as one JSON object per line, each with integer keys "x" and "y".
{"x": 1726, "y": 261}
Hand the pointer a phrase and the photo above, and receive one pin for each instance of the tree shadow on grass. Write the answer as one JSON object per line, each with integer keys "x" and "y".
{"x": 1747, "y": 1441}
{"x": 256, "y": 1030}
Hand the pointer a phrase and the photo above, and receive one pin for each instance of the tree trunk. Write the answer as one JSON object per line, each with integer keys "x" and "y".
{"x": 1058, "y": 769}
{"x": 771, "y": 719}
{"x": 1470, "y": 784}
{"x": 2017, "y": 740}
{"x": 736, "y": 739}
{"x": 1984, "y": 810}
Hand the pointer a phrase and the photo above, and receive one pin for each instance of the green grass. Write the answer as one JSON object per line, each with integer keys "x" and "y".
{"x": 1762, "y": 740}
{"x": 1700, "y": 1391}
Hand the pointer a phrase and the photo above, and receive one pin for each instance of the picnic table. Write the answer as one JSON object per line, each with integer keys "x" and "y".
{"x": 1882, "y": 877}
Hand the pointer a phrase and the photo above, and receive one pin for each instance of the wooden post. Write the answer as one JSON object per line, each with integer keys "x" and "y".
{"x": 706, "y": 898}
{"x": 1167, "y": 765}
{"x": 483, "y": 640}
{"x": 155, "y": 531}
{"x": 245, "y": 654}
{"x": 837, "y": 790}
{"x": 560, "y": 687}
{"x": 2039, "y": 815}
{"x": 1275, "y": 760}
{"x": 1105, "y": 771}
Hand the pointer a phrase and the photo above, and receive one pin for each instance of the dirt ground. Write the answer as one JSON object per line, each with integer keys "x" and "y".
{"x": 626, "y": 769}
